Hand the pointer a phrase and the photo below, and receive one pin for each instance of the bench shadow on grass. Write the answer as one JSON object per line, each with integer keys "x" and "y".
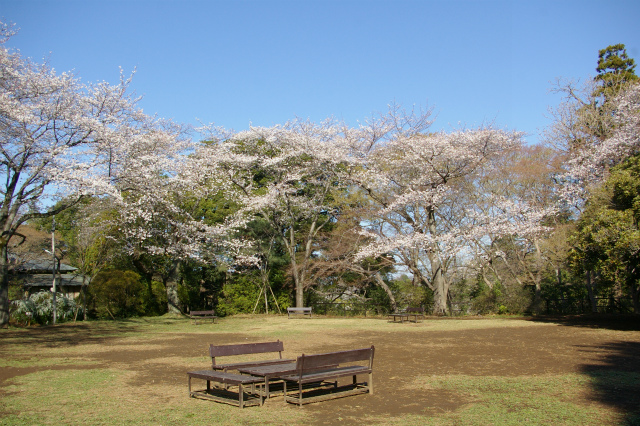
{"x": 615, "y": 380}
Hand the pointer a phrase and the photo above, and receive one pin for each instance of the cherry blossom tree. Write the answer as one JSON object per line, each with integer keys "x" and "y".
{"x": 419, "y": 182}
{"x": 589, "y": 163}
{"x": 291, "y": 176}
{"x": 514, "y": 196}
{"x": 57, "y": 137}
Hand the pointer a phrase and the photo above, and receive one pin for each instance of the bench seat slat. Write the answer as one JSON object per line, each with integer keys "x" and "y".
{"x": 224, "y": 377}
{"x": 333, "y": 373}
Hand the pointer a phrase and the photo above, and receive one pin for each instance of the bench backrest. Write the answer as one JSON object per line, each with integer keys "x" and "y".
{"x": 318, "y": 361}
{"x": 299, "y": 309}
{"x": 202, "y": 312}
{"x": 245, "y": 349}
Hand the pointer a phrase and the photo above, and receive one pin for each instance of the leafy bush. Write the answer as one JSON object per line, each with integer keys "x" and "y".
{"x": 40, "y": 307}
{"x": 117, "y": 294}
{"x": 500, "y": 299}
{"x": 241, "y": 292}
{"x": 409, "y": 295}
{"x": 199, "y": 286}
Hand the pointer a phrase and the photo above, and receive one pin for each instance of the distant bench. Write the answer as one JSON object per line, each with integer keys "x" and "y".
{"x": 322, "y": 369}
{"x": 416, "y": 313}
{"x": 196, "y": 315}
{"x": 299, "y": 311}
{"x": 407, "y": 314}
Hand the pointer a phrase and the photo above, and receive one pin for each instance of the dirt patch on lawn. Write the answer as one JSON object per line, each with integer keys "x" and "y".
{"x": 409, "y": 350}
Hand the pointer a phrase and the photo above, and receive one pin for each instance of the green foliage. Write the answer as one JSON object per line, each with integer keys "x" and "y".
{"x": 378, "y": 297}
{"x": 565, "y": 299}
{"x": 242, "y": 290}
{"x": 485, "y": 299}
{"x": 408, "y": 294}
{"x": 40, "y": 307}
{"x": 607, "y": 238}
{"x": 500, "y": 299}
{"x": 614, "y": 69}
{"x": 117, "y": 294}
{"x": 239, "y": 294}
{"x": 154, "y": 299}
{"x": 200, "y": 285}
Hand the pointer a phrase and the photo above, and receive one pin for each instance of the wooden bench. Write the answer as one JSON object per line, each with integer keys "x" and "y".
{"x": 196, "y": 315}
{"x": 402, "y": 316}
{"x": 322, "y": 369}
{"x": 405, "y": 315}
{"x": 247, "y": 349}
{"x": 298, "y": 311}
{"x": 224, "y": 395}
{"x": 416, "y": 313}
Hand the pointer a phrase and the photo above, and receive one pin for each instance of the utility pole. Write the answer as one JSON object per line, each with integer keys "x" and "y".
{"x": 53, "y": 258}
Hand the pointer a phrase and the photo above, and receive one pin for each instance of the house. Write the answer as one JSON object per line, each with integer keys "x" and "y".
{"x": 37, "y": 275}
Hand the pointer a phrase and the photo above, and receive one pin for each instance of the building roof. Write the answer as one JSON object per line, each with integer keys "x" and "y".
{"x": 46, "y": 280}
{"x": 41, "y": 266}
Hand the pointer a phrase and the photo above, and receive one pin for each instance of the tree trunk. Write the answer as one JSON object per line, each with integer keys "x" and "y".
{"x": 537, "y": 279}
{"x": 172, "y": 298}
{"x": 592, "y": 296}
{"x": 440, "y": 290}
{"x": 635, "y": 297}
{"x": 634, "y": 289}
{"x": 298, "y": 275}
{"x": 4, "y": 284}
{"x": 439, "y": 285}
{"x": 385, "y": 287}
{"x": 297, "y": 279}
{"x": 171, "y": 288}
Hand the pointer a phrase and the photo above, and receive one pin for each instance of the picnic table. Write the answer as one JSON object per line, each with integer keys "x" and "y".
{"x": 312, "y": 371}
{"x": 268, "y": 372}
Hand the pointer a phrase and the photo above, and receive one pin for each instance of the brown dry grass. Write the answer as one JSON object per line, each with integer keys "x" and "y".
{"x": 440, "y": 371}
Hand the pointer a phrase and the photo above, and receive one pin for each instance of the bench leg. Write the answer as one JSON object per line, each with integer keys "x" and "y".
{"x": 370, "y": 383}
{"x": 300, "y": 394}
{"x": 240, "y": 396}
{"x": 189, "y": 386}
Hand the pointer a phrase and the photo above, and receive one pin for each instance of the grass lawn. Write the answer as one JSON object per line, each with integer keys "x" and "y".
{"x": 489, "y": 371}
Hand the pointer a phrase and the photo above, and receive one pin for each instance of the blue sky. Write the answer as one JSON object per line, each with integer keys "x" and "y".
{"x": 263, "y": 62}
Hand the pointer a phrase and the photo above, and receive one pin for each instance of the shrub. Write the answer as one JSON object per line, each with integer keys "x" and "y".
{"x": 239, "y": 295}
{"x": 40, "y": 306}
{"x": 117, "y": 294}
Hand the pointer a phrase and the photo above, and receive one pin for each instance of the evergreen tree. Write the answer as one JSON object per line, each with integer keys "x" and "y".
{"x": 615, "y": 69}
